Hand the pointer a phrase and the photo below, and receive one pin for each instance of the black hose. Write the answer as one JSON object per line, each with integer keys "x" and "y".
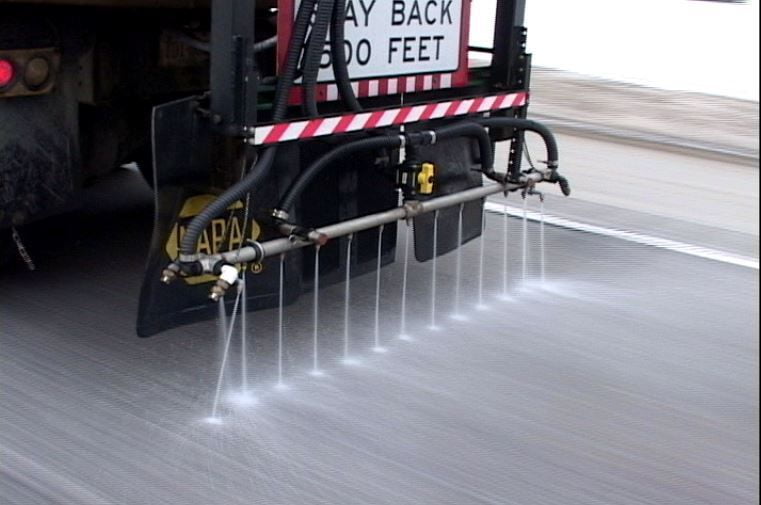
{"x": 295, "y": 45}
{"x": 463, "y": 129}
{"x": 259, "y": 171}
{"x": 289, "y": 199}
{"x": 527, "y": 125}
{"x": 550, "y": 144}
{"x": 313, "y": 54}
{"x": 338, "y": 55}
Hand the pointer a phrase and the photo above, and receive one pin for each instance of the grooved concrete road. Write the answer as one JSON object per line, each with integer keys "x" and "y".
{"x": 629, "y": 377}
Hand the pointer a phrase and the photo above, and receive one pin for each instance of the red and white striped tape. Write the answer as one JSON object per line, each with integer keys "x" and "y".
{"x": 310, "y": 128}
{"x": 368, "y": 88}
{"x": 388, "y": 86}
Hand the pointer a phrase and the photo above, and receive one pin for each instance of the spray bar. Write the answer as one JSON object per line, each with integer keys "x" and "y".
{"x": 258, "y": 251}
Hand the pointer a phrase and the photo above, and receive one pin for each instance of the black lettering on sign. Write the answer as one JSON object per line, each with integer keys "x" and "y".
{"x": 366, "y": 9}
{"x": 438, "y": 39}
{"x": 351, "y": 15}
{"x": 445, "y": 6}
{"x": 428, "y": 19}
{"x": 414, "y": 14}
{"x": 392, "y": 47}
{"x": 423, "y": 48}
{"x": 397, "y": 12}
{"x": 364, "y": 51}
{"x": 408, "y": 49}
{"x": 403, "y": 13}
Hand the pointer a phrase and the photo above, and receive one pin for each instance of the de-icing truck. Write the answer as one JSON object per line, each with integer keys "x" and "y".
{"x": 270, "y": 131}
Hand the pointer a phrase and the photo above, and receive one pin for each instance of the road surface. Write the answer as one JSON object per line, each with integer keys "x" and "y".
{"x": 630, "y": 376}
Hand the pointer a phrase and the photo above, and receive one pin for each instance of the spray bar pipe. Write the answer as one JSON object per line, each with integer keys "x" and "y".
{"x": 258, "y": 251}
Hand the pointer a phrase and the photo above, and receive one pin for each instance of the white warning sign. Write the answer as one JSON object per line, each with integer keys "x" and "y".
{"x": 399, "y": 37}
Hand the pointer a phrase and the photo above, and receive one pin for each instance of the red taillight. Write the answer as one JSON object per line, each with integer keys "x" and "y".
{"x": 7, "y": 73}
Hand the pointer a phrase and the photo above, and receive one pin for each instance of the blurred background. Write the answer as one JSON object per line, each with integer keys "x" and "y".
{"x": 691, "y": 45}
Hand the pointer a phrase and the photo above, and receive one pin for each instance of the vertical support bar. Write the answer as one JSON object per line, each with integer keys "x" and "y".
{"x": 234, "y": 76}
{"x": 509, "y": 20}
{"x": 511, "y": 70}
{"x": 517, "y": 139}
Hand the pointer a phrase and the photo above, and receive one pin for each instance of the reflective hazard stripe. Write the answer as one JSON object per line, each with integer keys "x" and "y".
{"x": 304, "y": 129}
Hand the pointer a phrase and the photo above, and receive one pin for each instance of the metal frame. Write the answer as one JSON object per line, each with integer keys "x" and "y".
{"x": 509, "y": 42}
{"x": 234, "y": 75}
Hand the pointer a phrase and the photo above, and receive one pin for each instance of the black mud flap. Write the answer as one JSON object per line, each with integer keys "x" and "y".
{"x": 456, "y": 163}
{"x": 185, "y": 165}
{"x": 182, "y": 162}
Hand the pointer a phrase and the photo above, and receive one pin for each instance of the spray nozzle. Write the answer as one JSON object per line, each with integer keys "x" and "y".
{"x": 532, "y": 191}
{"x": 227, "y": 277}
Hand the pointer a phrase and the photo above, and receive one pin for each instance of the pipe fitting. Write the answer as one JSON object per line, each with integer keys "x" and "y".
{"x": 318, "y": 238}
{"x": 227, "y": 278}
{"x": 296, "y": 232}
{"x": 170, "y": 273}
{"x": 412, "y": 208}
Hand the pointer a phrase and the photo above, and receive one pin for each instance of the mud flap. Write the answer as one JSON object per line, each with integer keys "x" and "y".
{"x": 456, "y": 164}
{"x": 183, "y": 182}
{"x": 186, "y": 170}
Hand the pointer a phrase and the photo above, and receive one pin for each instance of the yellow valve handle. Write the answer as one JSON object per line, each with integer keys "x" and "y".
{"x": 425, "y": 178}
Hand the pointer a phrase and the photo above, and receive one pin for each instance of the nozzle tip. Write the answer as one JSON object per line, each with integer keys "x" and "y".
{"x": 218, "y": 290}
{"x": 169, "y": 274}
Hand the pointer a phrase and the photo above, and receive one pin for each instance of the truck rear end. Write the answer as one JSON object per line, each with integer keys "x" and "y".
{"x": 320, "y": 126}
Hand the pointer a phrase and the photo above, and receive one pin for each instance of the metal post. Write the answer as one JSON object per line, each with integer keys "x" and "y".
{"x": 234, "y": 75}
{"x": 507, "y": 29}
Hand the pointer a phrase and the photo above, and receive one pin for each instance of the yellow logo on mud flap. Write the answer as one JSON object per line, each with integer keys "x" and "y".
{"x": 224, "y": 233}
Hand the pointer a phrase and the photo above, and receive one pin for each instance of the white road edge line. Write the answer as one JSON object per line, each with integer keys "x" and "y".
{"x": 637, "y": 238}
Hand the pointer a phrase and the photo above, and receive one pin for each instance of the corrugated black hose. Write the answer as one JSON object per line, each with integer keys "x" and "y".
{"x": 261, "y": 169}
{"x": 550, "y": 144}
{"x": 313, "y": 54}
{"x": 338, "y": 55}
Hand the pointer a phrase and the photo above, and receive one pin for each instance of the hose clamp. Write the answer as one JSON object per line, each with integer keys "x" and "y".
{"x": 432, "y": 133}
{"x": 258, "y": 250}
{"x": 402, "y": 141}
